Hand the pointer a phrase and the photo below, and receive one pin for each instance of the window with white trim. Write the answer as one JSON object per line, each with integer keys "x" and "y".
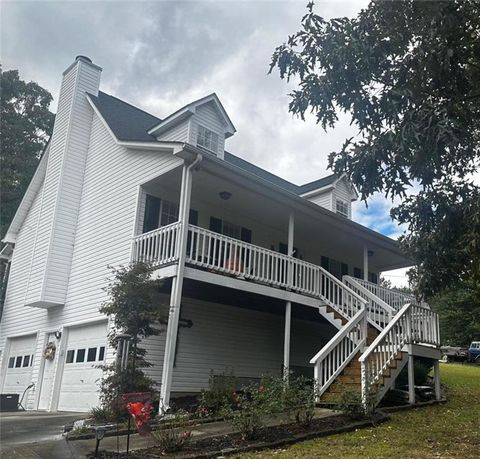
{"x": 168, "y": 213}
{"x": 207, "y": 139}
{"x": 342, "y": 207}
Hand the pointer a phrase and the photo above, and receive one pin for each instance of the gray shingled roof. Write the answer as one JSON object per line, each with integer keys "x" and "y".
{"x": 130, "y": 123}
{"x": 127, "y": 122}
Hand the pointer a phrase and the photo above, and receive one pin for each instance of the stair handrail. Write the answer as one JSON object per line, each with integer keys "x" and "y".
{"x": 343, "y": 346}
{"x": 374, "y": 301}
{"x": 390, "y": 296}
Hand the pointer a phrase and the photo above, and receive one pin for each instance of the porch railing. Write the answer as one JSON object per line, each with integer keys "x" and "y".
{"x": 224, "y": 254}
{"x": 157, "y": 247}
{"x": 393, "y": 298}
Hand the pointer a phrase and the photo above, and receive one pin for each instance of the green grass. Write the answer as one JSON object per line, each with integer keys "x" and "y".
{"x": 450, "y": 430}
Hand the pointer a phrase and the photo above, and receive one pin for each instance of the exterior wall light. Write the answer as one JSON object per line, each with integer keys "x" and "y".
{"x": 58, "y": 334}
{"x": 225, "y": 195}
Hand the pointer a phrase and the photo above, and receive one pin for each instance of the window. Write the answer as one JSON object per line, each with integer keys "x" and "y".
{"x": 70, "y": 354}
{"x": 101, "y": 353}
{"x": 207, "y": 139}
{"x": 335, "y": 267}
{"x": 80, "y": 356}
{"x": 26, "y": 360}
{"x": 11, "y": 362}
{"x": 18, "y": 362}
{"x": 168, "y": 213}
{"x": 342, "y": 208}
{"x": 92, "y": 354}
{"x": 230, "y": 229}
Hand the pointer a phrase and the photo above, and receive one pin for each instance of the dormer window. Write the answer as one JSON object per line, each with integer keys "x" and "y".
{"x": 207, "y": 139}
{"x": 342, "y": 208}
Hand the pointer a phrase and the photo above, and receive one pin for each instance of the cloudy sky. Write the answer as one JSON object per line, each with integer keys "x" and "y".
{"x": 161, "y": 55}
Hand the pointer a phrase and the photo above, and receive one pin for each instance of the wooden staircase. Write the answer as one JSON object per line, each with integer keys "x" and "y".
{"x": 350, "y": 378}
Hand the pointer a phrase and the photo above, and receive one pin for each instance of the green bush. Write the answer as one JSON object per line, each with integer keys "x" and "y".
{"x": 174, "y": 433}
{"x": 255, "y": 403}
{"x": 102, "y": 414}
{"x": 350, "y": 403}
{"x": 299, "y": 399}
{"x": 220, "y": 392}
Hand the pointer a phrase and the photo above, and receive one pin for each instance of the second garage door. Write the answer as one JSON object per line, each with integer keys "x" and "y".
{"x": 80, "y": 381}
{"x": 19, "y": 367}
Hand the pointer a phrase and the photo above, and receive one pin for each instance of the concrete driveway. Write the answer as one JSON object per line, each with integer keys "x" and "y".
{"x": 34, "y": 434}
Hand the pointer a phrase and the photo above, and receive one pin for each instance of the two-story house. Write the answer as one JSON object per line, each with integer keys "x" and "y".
{"x": 262, "y": 275}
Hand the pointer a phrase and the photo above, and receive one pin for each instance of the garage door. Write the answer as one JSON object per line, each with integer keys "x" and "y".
{"x": 86, "y": 348}
{"x": 19, "y": 366}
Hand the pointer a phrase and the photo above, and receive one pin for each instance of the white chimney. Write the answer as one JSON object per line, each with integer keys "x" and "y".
{"x": 62, "y": 187}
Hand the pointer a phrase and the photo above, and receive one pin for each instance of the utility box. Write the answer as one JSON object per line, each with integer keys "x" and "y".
{"x": 8, "y": 402}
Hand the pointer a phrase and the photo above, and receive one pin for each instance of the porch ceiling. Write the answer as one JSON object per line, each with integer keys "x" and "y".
{"x": 262, "y": 203}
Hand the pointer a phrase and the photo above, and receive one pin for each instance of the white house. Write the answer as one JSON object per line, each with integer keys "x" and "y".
{"x": 267, "y": 275}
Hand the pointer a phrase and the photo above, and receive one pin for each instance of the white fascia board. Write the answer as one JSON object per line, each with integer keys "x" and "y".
{"x": 6, "y": 252}
{"x": 313, "y": 193}
{"x": 171, "y": 121}
{"x": 29, "y": 196}
{"x": 154, "y": 145}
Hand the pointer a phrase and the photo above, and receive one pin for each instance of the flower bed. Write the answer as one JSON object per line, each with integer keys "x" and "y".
{"x": 268, "y": 437}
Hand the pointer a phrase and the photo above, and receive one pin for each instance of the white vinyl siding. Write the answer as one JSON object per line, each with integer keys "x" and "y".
{"x": 207, "y": 116}
{"x": 106, "y": 223}
{"x": 323, "y": 200}
{"x": 224, "y": 338}
{"x": 177, "y": 133}
{"x": 63, "y": 188}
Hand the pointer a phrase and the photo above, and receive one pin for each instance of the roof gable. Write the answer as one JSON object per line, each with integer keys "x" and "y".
{"x": 189, "y": 110}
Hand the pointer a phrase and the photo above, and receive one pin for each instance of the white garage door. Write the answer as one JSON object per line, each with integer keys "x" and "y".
{"x": 86, "y": 348}
{"x": 19, "y": 365}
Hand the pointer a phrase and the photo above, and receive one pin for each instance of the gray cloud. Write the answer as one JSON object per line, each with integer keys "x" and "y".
{"x": 161, "y": 55}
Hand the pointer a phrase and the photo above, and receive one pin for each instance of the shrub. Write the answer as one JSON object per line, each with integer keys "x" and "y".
{"x": 220, "y": 392}
{"x": 299, "y": 399}
{"x": 102, "y": 414}
{"x": 174, "y": 433}
{"x": 350, "y": 403}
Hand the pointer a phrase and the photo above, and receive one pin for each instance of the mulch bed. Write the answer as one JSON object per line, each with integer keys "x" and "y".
{"x": 269, "y": 437}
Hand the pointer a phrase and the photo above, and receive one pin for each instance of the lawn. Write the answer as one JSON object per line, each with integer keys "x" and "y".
{"x": 450, "y": 430}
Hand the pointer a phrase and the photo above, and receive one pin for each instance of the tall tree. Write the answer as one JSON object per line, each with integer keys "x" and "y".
{"x": 407, "y": 73}
{"x": 25, "y": 126}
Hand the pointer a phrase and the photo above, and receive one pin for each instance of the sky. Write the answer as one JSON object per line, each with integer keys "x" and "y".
{"x": 161, "y": 55}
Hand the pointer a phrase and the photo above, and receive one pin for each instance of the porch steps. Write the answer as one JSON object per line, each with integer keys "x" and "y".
{"x": 350, "y": 379}
{"x": 332, "y": 316}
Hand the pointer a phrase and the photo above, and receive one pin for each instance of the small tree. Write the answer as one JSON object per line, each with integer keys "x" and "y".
{"x": 134, "y": 306}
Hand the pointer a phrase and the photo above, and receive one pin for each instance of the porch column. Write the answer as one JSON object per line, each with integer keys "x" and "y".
{"x": 365, "y": 262}
{"x": 411, "y": 379}
{"x": 288, "y": 305}
{"x": 436, "y": 378}
{"x": 177, "y": 286}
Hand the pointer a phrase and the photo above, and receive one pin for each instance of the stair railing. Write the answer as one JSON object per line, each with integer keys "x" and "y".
{"x": 330, "y": 361}
{"x": 379, "y": 312}
{"x": 412, "y": 324}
